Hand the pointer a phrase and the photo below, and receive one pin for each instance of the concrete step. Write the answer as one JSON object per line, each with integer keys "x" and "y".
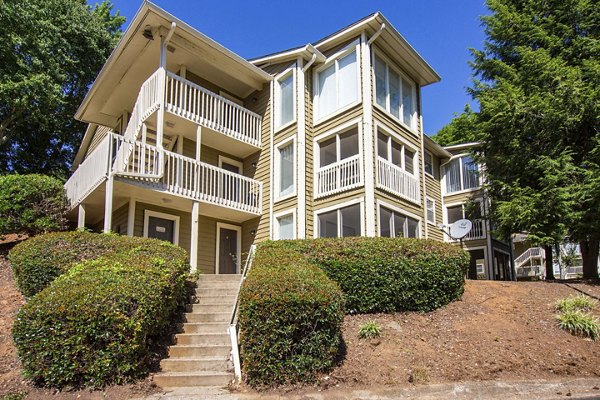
{"x": 215, "y": 299}
{"x": 200, "y": 378}
{"x": 203, "y": 338}
{"x": 217, "y": 285}
{"x": 209, "y": 308}
{"x": 205, "y": 327}
{"x": 211, "y": 291}
{"x": 207, "y": 317}
{"x": 220, "y": 278}
{"x": 193, "y": 351}
{"x": 215, "y": 363}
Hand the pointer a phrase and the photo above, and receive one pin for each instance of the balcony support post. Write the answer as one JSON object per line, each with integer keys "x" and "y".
{"x": 81, "y": 216}
{"x": 368, "y": 138}
{"x": 108, "y": 204}
{"x": 131, "y": 217}
{"x": 194, "y": 237}
{"x": 198, "y": 142}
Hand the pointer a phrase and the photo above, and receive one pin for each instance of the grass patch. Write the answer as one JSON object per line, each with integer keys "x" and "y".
{"x": 579, "y": 323}
{"x": 369, "y": 330}
{"x": 575, "y": 303}
{"x": 14, "y": 396}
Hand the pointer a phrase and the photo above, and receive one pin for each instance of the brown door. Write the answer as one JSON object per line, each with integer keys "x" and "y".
{"x": 228, "y": 251}
{"x": 161, "y": 228}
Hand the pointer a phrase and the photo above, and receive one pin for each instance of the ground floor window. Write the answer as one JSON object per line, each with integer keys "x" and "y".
{"x": 393, "y": 223}
{"x": 341, "y": 222}
{"x": 285, "y": 226}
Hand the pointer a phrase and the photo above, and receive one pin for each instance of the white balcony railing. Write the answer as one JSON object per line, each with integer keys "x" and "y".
{"x": 477, "y": 230}
{"x": 337, "y": 177}
{"x": 206, "y": 108}
{"x": 397, "y": 181}
{"x": 182, "y": 176}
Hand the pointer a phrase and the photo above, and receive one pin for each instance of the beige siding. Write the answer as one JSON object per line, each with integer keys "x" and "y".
{"x": 99, "y": 134}
{"x": 119, "y": 220}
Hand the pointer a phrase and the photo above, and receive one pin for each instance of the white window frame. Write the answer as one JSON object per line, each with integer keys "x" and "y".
{"x": 280, "y": 214}
{"x": 277, "y": 172}
{"x": 337, "y": 131}
{"x": 460, "y": 169}
{"x": 290, "y": 71}
{"x": 170, "y": 217}
{"x": 353, "y": 46}
{"x": 338, "y": 207}
{"x": 412, "y": 128}
{"x": 405, "y": 144}
{"x": 427, "y": 198}
{"x": 380, "y": 203}
{"x": 462, "y": 203}
{"x": 430, "y": 156}
{"x": 236, "y": 228}
{"x": 231, "y": 161}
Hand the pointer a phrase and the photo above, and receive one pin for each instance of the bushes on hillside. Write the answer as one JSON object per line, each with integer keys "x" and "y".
{"x": 39, "y": 260}
{"x": 290, "y": 319}
{"x": 96, "y": 324}
{"x": 385, "y": 274}
{"x": 31, "y": 204}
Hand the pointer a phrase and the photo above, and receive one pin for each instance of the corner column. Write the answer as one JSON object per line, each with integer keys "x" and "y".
{"x": 194, "y": 236}
{"x": 108, "y": 205}
{"x": 81, "y": 216}
{"x": 367, "y": 132}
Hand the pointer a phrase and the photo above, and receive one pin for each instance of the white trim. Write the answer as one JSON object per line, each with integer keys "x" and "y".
{"x": 338, "y": 206}
{"x": 175, "y": 218}
{"x": 271, "y": 165}
{"x": 427, "y": 198}
{"x": 381, "y": 203}
{"x": 301, "y": 150}
{"x": 236, "y": 228}
{"x": 370, "y": 169}
{"x": 291, "y": 70}
{"x": 354, "y": 46}
{"x": 285, "y": 213}
{"x": 277, "y": 173}
{"x": 412, "y": 128}
{"x": 231, "y": 161}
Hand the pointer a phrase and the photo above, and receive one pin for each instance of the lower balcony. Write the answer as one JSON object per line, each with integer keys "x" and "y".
{"x": 397, "y": 181}
{"x": 143, "y": 165}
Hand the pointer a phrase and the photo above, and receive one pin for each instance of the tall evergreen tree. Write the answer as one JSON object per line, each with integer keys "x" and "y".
{"x": 50, "y": 52}
{"x": 538, "y": 82}
{"x": 462, "y": 128}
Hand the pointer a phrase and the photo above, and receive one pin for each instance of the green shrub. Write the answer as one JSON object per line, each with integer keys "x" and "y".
{"x": 385, "y": 274}
{"x": 39, "y": 260}
{"x": 574, "y": 303}
{"x": 369, "y": 330}
{"x": 97, "y": 324}
{"x": 31, "y": 204}
{"x": 290, "y": 319}
{"x": 579, "y": 323}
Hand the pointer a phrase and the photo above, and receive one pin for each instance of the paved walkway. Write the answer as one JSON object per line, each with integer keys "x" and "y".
{"x": 583, "y": 388}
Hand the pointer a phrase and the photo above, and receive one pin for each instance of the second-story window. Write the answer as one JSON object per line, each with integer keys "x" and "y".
{"x": 428, "y": 163}
{"x": 338, "y": 147}
{"x": 284, "y": 100}
{"x": 396, "y": 153}
{"x": 395, "y": 93}
{"x": 337, "y": 83}
{"x": 461, "y": 173}
{"x": 285, "y": 173}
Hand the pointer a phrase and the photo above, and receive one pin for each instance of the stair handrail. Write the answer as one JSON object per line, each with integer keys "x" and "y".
{"x": 529, "y": 253}
{"x": 232, "y": 329}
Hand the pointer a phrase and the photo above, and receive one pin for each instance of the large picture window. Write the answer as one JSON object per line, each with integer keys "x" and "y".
{"x": 462, "y": 173}
{"x": 342, "y": 222}
{"x": 337, "y": 84}
{"x": 393, "y": 223}
{"x": 284, "y": 100}
{"x": 395, "y": 93}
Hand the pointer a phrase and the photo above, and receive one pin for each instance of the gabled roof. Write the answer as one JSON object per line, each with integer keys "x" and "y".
{"x": 306, "y": 52}
{"x": 390, "y": 40}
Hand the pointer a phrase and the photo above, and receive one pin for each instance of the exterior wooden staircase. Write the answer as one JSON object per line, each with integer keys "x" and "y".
{"x": 201, "y": 353}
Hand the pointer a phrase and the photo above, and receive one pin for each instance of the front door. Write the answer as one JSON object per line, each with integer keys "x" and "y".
{"x": 161, "y": 228}
{"x": 229, "y": 250}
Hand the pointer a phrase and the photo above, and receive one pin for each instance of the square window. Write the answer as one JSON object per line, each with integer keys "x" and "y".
{"x": 343, "y": 222}
{"x": 285, "y": 227}
{"x": 328, "y": 224}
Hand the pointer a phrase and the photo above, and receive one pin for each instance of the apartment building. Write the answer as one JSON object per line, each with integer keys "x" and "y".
{"x": 189, "y": 142}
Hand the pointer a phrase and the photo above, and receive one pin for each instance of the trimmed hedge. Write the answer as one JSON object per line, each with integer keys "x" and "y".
{"x": 97, "y": 324}
{"x": 290, "y": 319}
{"x": 31, "y": 204}
{"x": 39, "y": 260}
{"x": 385, "y": 274}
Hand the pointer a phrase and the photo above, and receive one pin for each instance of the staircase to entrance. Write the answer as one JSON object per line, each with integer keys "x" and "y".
{"x": 201, "y": 355}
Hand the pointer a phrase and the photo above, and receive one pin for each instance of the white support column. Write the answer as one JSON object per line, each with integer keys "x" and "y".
{"x": 198, "y": 142}
{"x": 271, "y": 158}
{"x": 108, "y": 205}
{"x": 194, "y": 237}
{"x": 81, "y": 216}
{"x": 131, "y": 217}
{"x": 367, "y": 132}
{"x": 301, "y": 151}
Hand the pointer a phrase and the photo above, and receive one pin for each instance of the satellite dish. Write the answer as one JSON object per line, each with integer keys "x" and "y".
{"x": 460, "y": 228}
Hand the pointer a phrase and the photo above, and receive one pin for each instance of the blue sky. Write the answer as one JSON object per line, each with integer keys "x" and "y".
{"x": 441, "y": 31}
